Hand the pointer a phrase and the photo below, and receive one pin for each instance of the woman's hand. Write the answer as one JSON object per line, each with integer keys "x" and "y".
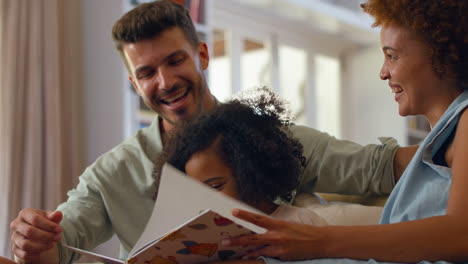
{"x": 283, "y": 240}
{"x": 238, "y": 261}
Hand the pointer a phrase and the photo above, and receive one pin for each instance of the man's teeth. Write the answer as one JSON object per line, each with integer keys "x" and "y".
{"x": 175, "y": 97}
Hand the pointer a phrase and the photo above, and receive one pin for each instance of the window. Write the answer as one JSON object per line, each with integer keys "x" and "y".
{"x": 250, "y": 51}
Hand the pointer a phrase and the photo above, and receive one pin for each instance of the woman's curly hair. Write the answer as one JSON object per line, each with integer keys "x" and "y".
{"x": 442, "y": 24}
{"x": 253, "y": 139}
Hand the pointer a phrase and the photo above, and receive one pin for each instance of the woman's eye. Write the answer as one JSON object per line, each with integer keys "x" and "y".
{"x": 391, "y": 57}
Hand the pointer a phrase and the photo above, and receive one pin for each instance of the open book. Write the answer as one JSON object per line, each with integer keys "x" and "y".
{"x": 187, "y": 224}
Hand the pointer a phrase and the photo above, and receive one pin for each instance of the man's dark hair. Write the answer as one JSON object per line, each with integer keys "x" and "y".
{"x": 252, "y": 138}
{"x": 148, "y": 20}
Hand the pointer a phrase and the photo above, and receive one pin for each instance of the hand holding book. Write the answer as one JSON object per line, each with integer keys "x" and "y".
{"x": 199, "y": 238}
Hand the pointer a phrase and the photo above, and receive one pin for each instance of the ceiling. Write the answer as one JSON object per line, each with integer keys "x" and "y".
{"x": 342, "y": 18}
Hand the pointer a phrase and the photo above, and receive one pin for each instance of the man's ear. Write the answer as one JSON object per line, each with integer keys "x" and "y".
{"x": 135, "y": 87}
{"x": 203, "y": 55}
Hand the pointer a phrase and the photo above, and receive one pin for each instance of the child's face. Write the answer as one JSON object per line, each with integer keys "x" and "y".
{"x": 206, "y": 166}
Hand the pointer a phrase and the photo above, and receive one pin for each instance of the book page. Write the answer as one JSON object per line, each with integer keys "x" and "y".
{"x": 179, "y": 199}
{"x": 197, "y": 241}
{"x": 95, "y": 256}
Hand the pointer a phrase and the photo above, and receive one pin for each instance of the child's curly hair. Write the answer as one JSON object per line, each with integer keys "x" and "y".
{"x": 254, "y": 141}
{"x": 443, "y": 25}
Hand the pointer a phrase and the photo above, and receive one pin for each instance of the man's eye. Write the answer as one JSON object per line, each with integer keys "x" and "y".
{"x": 176, "y": 61}
{"x": 144, "y": 75}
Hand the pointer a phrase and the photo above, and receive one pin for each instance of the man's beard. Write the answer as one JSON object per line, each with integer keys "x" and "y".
{"x": 199, "y": 102}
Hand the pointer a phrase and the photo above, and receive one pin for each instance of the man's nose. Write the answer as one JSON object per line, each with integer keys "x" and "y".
{"x": 166, "y": 78}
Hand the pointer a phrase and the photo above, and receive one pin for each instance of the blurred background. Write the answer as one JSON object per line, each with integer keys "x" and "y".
{"x": 66, "y": 99}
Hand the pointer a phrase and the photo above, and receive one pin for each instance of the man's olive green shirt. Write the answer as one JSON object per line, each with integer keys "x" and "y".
{"x": 115, "y": 194}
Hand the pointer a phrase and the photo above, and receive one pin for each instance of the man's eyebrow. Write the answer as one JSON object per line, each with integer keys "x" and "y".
{"x": 175, "y": 53}
{"x": 213, "y": 179}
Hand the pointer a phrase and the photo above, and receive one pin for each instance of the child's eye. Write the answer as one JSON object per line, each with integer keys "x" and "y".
{"x": 217, "y": 186}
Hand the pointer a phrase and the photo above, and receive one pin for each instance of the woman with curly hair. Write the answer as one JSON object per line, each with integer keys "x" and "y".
{"x": 425, "y": 46}
{"x": 245, "y": 150}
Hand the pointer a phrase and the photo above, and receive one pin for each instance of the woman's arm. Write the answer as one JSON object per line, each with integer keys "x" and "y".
{"x": 430, "y": 239}
{"x": 458, "y": 196}
{"x": 236, "y": 261}
{"x": 435, "y": 238}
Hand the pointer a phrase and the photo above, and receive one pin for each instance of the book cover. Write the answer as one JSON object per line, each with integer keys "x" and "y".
{"x": 196, "y": 241}
{"x": 187, "y": 224}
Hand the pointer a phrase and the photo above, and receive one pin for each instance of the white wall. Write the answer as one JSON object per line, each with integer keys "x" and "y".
{"x": 103, "y": 78}
{"x": 368, "y": 108}
{"x": 105, "y": 88}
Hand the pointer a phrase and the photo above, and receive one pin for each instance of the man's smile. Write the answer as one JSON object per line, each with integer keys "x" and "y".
{"x": 175, "y": 97}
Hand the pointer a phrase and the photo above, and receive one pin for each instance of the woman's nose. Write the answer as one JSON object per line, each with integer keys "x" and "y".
{"x": 384, "y": 74}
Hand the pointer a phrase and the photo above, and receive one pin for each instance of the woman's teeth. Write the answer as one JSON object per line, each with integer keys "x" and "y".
{"x": 396, "y": 90}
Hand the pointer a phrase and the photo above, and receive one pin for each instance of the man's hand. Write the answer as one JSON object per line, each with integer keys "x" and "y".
{"x": 35, "y": 232}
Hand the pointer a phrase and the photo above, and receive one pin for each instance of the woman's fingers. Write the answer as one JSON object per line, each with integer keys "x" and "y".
{"x": 251, "y": 240}
{"x": 268, "y": 251}
{"x": 283, "y": 240}
{"x": 256, "y": 219}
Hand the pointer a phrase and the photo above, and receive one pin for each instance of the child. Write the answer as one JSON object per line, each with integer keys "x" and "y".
{"x": 243, "y": 149}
